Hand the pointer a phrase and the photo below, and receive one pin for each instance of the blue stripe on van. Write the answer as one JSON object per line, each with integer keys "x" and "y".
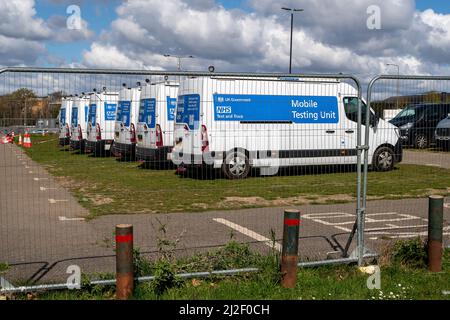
{"x": 298, "y": 109}
{"x": 147, "y": 112}
{"x": 75, "y": 116}
{"x": 62, "y": 118}
{"x": 188, "y": 110}
{"x": 125, "y": 112}
{"x": 171, "y": 105}
{"x": 110, "y": 111}
{"x": 92, "y": 113}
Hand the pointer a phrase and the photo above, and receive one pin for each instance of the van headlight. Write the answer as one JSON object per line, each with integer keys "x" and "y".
{"x": 397, "y": 132}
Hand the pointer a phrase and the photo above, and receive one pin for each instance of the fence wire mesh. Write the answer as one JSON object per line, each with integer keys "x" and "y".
{"x": 192, "y": 160}
{"x": 419, "y": 108}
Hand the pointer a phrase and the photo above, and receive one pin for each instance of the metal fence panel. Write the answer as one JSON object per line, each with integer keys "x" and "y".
{"x": 417, "y": 107}
{"x": 270, "y": 141}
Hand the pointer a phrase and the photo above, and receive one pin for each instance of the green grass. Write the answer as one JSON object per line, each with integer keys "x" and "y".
{"x": 107, "y": 186}
{"x": 398, "y": 282}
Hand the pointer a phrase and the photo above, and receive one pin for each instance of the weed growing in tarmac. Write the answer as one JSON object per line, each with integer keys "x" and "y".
{"x": 3, "y": 267}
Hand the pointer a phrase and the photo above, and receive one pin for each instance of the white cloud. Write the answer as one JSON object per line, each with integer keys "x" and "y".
{"x": 329, "y": 36}
{"x": 18, "y": 20}
{"x": 23, "y": 34}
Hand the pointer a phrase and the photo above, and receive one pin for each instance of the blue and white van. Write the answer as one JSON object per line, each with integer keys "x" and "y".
{"x": 65, "y": 119}
{"x": 239, "y": 124}
{"x": 79, "y": 121}
{"x": 101, "y": 118}
{"x": 126, "y": 119}
{"x": 156, "y": 122}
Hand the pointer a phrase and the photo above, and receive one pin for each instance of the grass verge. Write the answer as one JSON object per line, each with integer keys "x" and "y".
{"x": 401, "y": 279}
{"x": 107, "y": 186}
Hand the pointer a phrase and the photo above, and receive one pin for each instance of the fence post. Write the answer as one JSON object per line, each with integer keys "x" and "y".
{"x": 435, "y": 225}
{"x": 124, "y": 261}
{"x": 289, "y": 255}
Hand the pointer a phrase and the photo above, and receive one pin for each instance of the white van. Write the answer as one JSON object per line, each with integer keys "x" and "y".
{"x": 156, "y": 121}
{"x": 65, "y": 119}
{"x": 267, "y": 124}
{"x": 101, "y": 117}
{"x": 80, "y": 111}
{"x": 126, "y": 119}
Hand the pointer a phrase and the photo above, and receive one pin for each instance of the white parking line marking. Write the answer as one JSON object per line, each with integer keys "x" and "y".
{"x": 70, "y": 219}
{"x": 404, "y": 217}
{"x": 395, "y": 227}
{"x": 44, "y": 188}
{"x": 399, "y": 235}
{"x": 249, "y": 233}
{"x": 53, "y": 201}
{"x": 432, "y": 165}
{"x": 39, "y": 179}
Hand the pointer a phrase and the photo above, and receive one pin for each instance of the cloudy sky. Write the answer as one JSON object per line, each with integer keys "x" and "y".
{"x": 237, "y": 35}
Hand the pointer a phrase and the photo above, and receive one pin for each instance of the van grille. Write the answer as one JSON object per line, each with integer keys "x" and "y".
{"x": 443, "y": 131}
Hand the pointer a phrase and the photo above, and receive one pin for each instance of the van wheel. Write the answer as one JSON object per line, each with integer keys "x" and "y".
{"x": 383, "y": 159}
{"x": 421, "y": 141}
{"x": 236, "y": 165}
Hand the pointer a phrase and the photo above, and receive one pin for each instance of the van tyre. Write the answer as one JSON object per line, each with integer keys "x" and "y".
{"x": 421, "y": 141}
{"x": 236, "y": 165}
{"x": 383, "y": 159}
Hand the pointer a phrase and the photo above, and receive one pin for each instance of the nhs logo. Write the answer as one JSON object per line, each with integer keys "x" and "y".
{"x": 222, "y": 110}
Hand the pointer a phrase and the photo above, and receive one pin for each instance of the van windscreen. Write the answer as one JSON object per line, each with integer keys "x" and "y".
{"x": 188, "y": 110}
{"x": 147, "y": 112}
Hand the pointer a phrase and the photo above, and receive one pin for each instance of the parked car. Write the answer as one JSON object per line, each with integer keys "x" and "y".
{"x": 442, "y": 133}
{"x": 417, "y": 123}
{"x": 39, "y": 131}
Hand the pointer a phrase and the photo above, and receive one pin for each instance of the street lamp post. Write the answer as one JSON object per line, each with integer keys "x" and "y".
{"x": 398, "y": 79}
{"x": 292, "y": 10}
{"x": 179, "y": 59}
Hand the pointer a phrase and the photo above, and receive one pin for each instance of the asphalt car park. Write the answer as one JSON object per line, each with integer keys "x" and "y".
{"x": 44, "y": 229}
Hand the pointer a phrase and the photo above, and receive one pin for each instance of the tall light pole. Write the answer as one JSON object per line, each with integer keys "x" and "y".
{"x": 179, "y": 59}
{"x": 398, "y": 80}
{"x": 292, "y": 10}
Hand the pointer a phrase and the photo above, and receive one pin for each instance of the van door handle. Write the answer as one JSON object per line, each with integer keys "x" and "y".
{"x": 330, "y": 131}
{"x": 349, "y": 131}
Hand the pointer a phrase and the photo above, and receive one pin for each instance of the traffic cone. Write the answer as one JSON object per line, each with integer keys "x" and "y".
{"x": 20, "y": 139}
{"x": 27, "y": 140}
